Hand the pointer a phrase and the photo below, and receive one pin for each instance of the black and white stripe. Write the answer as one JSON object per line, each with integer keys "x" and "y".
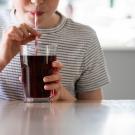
{"x": 79, "y": 51}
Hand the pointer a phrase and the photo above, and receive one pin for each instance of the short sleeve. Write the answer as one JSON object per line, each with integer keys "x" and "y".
{"x": 94, "y": 71}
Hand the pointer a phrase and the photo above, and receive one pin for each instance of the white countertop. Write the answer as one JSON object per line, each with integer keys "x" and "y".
{"x": 108, "y": 118}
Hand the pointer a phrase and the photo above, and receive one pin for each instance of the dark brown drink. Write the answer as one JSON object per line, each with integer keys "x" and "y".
{"x": 34, "y": 68}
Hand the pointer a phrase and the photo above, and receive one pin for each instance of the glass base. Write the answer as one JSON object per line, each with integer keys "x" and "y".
{"x": 36, "y": 100}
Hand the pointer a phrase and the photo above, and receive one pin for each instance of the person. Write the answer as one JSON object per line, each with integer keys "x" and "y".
{"x": 81, "y": 68}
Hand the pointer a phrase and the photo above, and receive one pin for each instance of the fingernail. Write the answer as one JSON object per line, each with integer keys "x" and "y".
{"x": 45, "y": 79}
{"x": 46, "y": 87}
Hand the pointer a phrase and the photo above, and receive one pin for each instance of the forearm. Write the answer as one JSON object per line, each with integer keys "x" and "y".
{"x": 2, "y": 64}
{"x": 3, "y": 59}
{"x": 90, "y": 95}
{"x": 6, "y": 54}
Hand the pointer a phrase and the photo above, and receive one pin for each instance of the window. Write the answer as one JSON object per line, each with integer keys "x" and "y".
{"x": 113, "y": 20}
{"x": 3, "y": 4}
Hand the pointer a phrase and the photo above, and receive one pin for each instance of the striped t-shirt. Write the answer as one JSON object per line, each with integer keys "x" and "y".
{"x": 78, "y": 49}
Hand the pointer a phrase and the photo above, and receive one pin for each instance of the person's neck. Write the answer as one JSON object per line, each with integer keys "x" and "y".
{"x": 50, "y": 22}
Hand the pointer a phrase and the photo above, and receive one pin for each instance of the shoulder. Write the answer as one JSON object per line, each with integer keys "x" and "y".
{"x": 84, "y": 33}
{"x": 79, "y": 28}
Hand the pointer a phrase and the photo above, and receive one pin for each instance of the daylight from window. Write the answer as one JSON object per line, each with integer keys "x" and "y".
{"x": 113, "y": 20}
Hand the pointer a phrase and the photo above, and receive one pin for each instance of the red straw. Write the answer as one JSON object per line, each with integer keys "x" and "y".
{"x": 52, "y": 94}
{"x": 36, "y": 39}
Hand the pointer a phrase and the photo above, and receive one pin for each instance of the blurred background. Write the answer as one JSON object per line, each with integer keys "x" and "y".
{"x": 114, "y": 22}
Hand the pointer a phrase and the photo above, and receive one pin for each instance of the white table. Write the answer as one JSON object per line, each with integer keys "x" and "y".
{"x": 114, "y": 117}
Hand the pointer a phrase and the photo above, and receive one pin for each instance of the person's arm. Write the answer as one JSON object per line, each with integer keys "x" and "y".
{"x": 61, "y": 93}
{"x": 11, "y": 41}
{"x": 2, "y": 63}
{"x": 90, "y": 95}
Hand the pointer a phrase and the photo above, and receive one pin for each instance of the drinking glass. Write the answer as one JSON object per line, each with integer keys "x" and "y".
{"x": 36, "y": 63}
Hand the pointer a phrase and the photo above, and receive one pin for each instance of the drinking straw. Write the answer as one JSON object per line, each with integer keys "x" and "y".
{"x": 36, "y": 39}
{"x": 52, "y": 94}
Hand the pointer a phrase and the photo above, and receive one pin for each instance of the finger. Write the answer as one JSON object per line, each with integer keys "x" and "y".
{"x": 52, "y": 86}
{"x": 23, "y": 28}
{"x": 20, "y": 41}
{"x": 52, "y": 78}
{"x": 57, "y": 64}
{"x": 53, "y": 93}
{"x": 29, "y": 39}
{"x": 19, "y": 34}
{"x": 14, "y": 34}
{"x": 30, "y": 30}
{"x": 55, "y": 97}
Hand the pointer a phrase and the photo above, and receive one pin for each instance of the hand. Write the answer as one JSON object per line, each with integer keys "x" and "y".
{"x": 54, "y": 81}
{"x": 12, "y": 39}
